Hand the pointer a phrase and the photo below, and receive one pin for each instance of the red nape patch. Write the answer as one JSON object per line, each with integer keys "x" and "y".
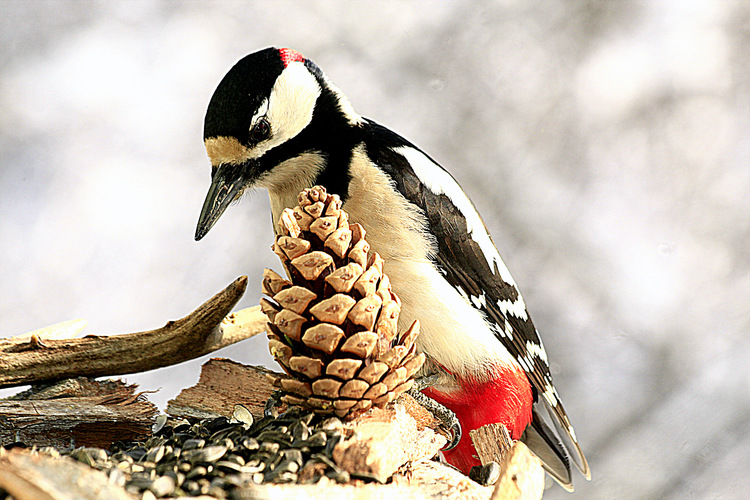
{"x": 507, "y": 399}
{"x": 289, "y": 56}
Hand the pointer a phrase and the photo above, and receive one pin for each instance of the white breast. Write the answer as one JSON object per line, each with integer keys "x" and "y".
{"x": 453, "y": 331}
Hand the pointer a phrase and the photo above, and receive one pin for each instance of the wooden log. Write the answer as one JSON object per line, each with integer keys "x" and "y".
{"x": 31, "y": 359}
{"x": 27, "y": 476}
{"x": 76, "y": 413}
{"x": 223, "y": 383}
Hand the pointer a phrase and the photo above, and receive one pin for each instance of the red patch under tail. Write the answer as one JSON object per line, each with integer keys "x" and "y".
{"x": 507, "y": 399}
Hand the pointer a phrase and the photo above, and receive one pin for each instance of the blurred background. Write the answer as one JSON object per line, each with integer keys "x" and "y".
{"x": 606, "y": 144}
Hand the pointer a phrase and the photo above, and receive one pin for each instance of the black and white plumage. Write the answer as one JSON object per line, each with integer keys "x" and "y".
{"x": 275, "y": 121}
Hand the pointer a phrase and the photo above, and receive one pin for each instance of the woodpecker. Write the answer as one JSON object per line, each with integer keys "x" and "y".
{"x": 275, "y": 121}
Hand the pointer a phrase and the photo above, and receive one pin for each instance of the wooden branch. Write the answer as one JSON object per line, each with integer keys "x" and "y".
{"x": 26, "y": 476}
{"x": 78, "y": 412}
{"x": 33, "y": 359}
{"x": 223, "y": 383}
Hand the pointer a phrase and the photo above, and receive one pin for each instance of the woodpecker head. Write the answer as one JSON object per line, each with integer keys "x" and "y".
{"x": 270, "y": 123}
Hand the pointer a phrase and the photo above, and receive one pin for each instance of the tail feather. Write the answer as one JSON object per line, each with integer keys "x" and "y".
{"x": 544, "y": 443}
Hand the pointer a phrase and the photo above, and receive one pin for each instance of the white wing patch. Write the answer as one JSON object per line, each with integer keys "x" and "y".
{"x": 439, "y": 182}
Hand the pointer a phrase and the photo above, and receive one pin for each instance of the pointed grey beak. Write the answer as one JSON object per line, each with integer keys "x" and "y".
{"x": 223, "y": 191}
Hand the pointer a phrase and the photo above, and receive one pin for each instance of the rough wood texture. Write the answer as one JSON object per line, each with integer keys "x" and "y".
{"x": 31, "y": 359}
{"x": 223, "y": 383}
{"x": 384, "y": 439}
{"x": 38, "y": 477}
{"x": 521, "y": 476}
{"x": 74, "y": 413}
{"x": 492, "y": 442}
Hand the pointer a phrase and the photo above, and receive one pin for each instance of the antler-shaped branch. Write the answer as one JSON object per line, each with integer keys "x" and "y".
{"x": 29, "y": 359}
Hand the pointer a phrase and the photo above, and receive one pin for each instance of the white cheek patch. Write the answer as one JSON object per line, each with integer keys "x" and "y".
{"x": 289, "y": 108}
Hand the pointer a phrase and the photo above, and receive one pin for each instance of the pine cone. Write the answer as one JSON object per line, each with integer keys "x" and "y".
{"x": 333, "y": 327}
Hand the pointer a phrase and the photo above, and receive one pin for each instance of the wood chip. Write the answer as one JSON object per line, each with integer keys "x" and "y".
{"x": 373, "y": 372}
{"x": 297, "y": 387}
{"x": 315, "y": 209}
{"x": 362, "y": 344}
{"x": 326, "y": 387}
{"x": 367, "y": 283}
{"x": 342, "y": 279}
{"x": 387, "y": 326}
{"x": 338, "y": 241}
{"x": 365, "y": 311}
{"x": 376, "y": 390}
{"x": 354, "y": 389}
{"x": 289, "y": 323}
{"x": 280, "y": 351}
{"x": 273, "y": 283}
{"x": 333, "y": 309}
{"x": 324, "y": 337}
{"x": 311, "y": 265}
{"x": 288, "y": 223}
{"x": 295, "y": 298}
{"x": 344, "y": 368}
{"x": 395, "y": 378}
{"x": 303, "y": 218}
{"x": 305, "y": 365}
{"x": 323, "y": 227}
{"x": 293, "y": 247}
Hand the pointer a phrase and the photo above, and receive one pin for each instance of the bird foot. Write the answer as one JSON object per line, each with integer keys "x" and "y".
{"x": 447, "y": 418}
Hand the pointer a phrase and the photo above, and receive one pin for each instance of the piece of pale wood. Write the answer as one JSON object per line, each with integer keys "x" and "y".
{"x": 34, "y": 359}
{"x": 383, "y": 439}
{"x": 74, "y": 413}
{"x": 492, "y": 442}
{"x": 521, "y": 475}
{"x": 33, "y": 476}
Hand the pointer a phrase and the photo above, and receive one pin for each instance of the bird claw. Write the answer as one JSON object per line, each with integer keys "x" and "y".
{"x": 270, "y": 407}
{"x": 446, "y": 417}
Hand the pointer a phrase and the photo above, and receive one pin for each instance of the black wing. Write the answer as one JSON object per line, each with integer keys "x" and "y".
{"x": 464, "y": 265}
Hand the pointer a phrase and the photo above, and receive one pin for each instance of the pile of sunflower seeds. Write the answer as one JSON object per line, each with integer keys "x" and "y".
{"x": 215, "y": 456}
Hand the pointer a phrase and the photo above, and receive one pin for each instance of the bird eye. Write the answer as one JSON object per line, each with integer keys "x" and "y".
{"x": 261, "y": 130}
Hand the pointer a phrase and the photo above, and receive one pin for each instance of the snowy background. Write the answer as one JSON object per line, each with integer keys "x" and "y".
{"x": 606, "y": 144}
